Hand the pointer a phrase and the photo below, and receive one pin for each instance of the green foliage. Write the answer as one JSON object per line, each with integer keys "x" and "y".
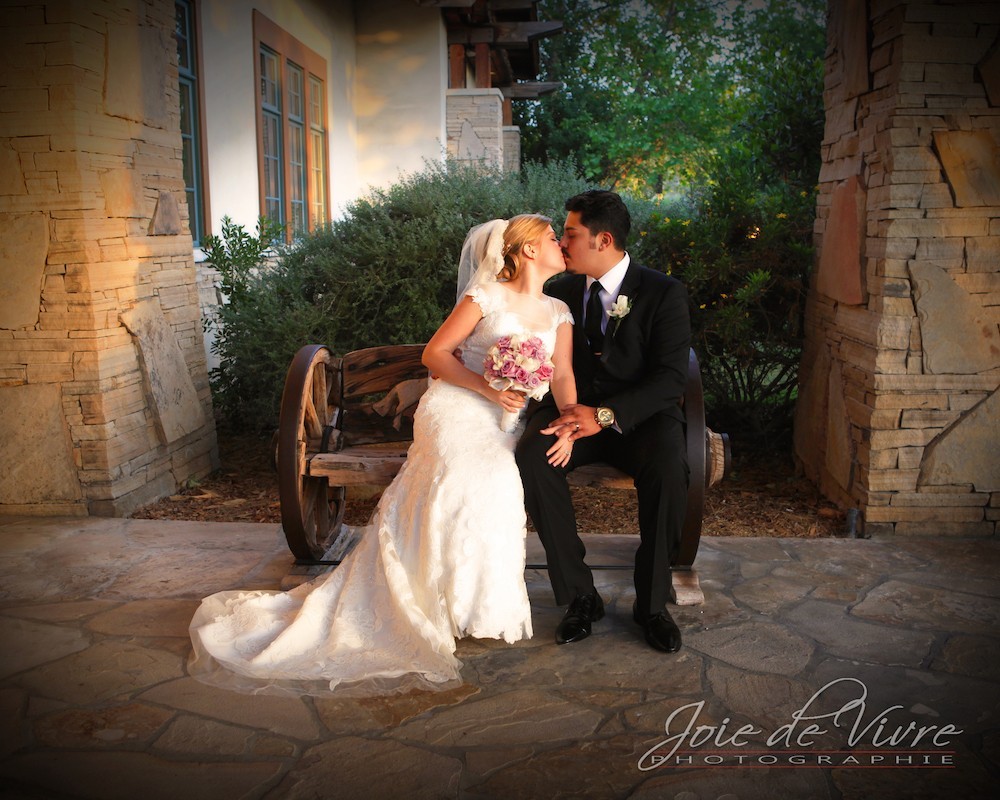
{"x": 742, "y": 239}
{"x": 777, "y": 110}
{"x": 263, "y": 313}
{"x": 641, "y": 80}
{"x": 745, "y": 270}
{"x": 723, "y": 99}
{"x": 383, "y": 273}
{"x": 652, "y": 89}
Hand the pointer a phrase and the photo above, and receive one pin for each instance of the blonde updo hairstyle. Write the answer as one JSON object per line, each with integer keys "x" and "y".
{"x": 520, "y": 230}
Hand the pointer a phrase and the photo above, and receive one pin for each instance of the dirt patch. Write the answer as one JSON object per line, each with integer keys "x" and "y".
{"x": 762, "y": 496}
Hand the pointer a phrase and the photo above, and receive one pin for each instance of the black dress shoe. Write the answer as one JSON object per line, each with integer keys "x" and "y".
{"x": 662, "y": 632}
{"x": 575, "y": 625}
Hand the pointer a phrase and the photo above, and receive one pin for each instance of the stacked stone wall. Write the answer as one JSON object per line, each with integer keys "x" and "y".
{"x": 104, "y": 396}
{"x": 511, "y": 148}
{"x": 899, "y": 410}
{"x": 474, "y": 126}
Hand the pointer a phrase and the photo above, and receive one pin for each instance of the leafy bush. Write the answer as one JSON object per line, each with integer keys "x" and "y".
{"x": 741, "y": 239}
{"x": 263, "y": 313}
{"x": 383, "y": 273}
{"x": 745, "y": 263}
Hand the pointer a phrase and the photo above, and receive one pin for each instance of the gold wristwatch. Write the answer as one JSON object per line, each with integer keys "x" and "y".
{"x": 604, "y": 417}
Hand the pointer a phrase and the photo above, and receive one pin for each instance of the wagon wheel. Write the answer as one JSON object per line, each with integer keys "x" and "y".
{"x": 694, "y": 412}
{"x": 311, "y": 510}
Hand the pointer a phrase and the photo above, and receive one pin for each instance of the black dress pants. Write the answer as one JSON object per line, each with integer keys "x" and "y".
{"x": 654, "y": 455}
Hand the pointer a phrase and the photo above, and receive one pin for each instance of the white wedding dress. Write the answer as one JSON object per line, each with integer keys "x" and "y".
{"x": 441, "y": 558}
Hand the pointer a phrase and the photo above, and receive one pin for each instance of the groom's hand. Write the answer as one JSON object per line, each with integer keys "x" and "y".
{"x": 578, "y": 420}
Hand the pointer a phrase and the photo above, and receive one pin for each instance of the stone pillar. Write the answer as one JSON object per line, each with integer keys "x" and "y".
{"x": 104, "y": 396}
{"x": 511, "y": 148}
{"x": 899, "y": 409}
{"x": 474, "y": 123}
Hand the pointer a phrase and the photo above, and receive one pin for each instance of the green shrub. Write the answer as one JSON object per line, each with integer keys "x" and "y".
{"x": 383, "y": 273}
{"x": 741, "y": 240}
{"x": 743, "y": 248}
{"x": 263, "y": 313}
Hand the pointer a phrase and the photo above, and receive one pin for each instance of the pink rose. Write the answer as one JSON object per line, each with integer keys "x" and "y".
{"x": 508, "y": 369}
{"x": 533, "y": 348}
{"x": 545, "y": 372}
{"x": 521, "y": 375}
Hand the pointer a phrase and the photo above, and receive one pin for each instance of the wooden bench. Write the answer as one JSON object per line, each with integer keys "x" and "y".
{"x": 349, "y": 422}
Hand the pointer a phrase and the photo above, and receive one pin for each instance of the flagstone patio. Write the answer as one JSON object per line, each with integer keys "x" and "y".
{"x": 898, "y": 635}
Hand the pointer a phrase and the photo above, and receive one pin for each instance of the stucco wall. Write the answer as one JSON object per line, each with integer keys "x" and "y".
{"x": 386, "y": 75}
{"x": 227, "y": 82}
{"x": 401, "y": 77}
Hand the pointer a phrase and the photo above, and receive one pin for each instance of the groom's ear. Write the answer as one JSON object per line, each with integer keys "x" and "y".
{"x": 605, "y": 240}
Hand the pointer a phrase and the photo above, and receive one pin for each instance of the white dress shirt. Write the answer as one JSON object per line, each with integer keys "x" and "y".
{"x": 611, "y": 282}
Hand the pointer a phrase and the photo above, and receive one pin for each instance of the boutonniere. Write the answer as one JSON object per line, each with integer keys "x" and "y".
{"x": 620, "y": 309}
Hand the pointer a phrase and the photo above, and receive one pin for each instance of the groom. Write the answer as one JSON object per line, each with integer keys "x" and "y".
{"x": 630, "y": 356}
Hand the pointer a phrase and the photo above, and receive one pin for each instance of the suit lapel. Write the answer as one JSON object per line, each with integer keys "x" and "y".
{"x": 575, "y": 302}
{"x": 628, "y": 289}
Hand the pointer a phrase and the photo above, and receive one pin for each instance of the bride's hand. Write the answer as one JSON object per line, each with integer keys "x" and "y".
{"x": 509, "y": 400}
{"x": 562, "y": 451}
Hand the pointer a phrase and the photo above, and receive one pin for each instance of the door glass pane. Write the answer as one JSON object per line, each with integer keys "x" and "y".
{"x": 297, "y": 182}
{"x": 295, "y": 109}
{"x": 269, "y": 84}
{"x": 271, "y": 131}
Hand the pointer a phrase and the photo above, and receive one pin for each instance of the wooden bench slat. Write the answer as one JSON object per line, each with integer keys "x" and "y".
{"x": 378, "y": 369}
{"x": 375, "y": 464}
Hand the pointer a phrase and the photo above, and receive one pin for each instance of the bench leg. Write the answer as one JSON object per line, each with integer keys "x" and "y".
{"x": 685, "y": 589}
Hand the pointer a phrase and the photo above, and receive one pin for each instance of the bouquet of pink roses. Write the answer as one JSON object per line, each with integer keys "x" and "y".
{"x": 520, "y": 363}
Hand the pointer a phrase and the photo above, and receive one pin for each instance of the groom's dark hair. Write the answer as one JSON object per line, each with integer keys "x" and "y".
{"x": 600, "y": 211}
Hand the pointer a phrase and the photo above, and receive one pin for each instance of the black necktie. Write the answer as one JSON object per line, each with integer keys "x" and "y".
{"x": 595, "y": 315}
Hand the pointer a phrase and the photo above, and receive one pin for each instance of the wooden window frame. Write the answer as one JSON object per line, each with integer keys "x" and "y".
{"x": 268, "y": 35}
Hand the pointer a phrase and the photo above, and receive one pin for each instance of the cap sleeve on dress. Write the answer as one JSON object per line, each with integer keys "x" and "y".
{"x": 486, "y": 297}
{"x": 561, "y": 312}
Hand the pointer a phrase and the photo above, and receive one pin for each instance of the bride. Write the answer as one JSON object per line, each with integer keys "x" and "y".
{"x": 443, "y": 554}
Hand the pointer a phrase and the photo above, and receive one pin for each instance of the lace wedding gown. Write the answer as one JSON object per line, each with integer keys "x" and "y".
{"x": 441, "y": 558}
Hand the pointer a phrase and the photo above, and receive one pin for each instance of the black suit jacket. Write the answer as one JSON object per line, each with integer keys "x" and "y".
{"x": 643, "y": 367}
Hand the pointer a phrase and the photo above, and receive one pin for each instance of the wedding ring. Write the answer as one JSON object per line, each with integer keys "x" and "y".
{"x": 577, "y": 426}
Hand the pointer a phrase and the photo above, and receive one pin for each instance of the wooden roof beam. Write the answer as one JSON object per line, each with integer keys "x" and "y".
{"x": 446, "y": 3}
{"x": 530, "y": 90}
{"x": 503, "y": 34}
{"x": 511, "y": 5}
{"x": 521, "y": 34}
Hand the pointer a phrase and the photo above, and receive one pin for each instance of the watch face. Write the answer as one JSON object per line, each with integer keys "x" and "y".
{"x": 605, "y": 416}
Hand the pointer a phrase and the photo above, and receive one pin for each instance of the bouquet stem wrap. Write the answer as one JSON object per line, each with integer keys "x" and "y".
{"x": 508, "y": 420}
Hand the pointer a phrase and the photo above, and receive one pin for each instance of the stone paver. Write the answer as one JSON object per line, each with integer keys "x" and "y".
{"x": 929, "y": 608}
{"x": 841, "y": 634}
{"x": 145, "y": 618}
{"x": 106, "y": 670}
{"x": 37, "y": 643}
{"x": 757, "y": 646}
{"x": 97, "y": 701}
{"x": 104, "y": 728}
{"x": 519, "y": 717}
{"x": 355, "y": 767}
{"x": 288, "y": 716}
{"x": 125, "y": 775}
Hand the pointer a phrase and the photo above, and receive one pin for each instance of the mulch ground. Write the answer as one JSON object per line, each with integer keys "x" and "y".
{"x": 761, "y": 496}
